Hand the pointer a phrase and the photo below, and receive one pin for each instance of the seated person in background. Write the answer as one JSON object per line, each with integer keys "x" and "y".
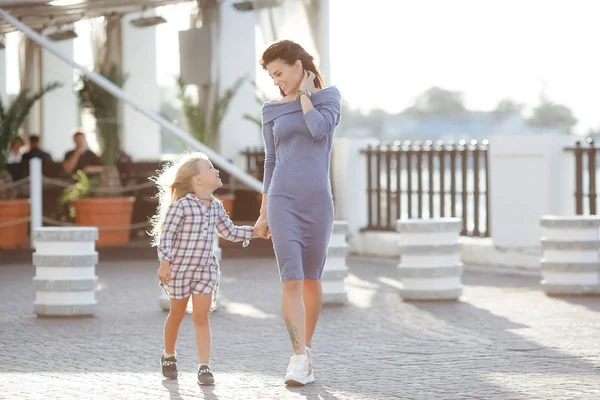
{"x": 14, "y": 154}
{"x": 81, "y": 158}
{"x": 35, "y": 151}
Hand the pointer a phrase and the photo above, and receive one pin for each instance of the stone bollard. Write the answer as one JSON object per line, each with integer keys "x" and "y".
{"x": 163, "y": 299}
{"x": 570, "y": 262}
{"x": 65, "y": 278}
{"x": 430, "y": 266}
{"x": 335, "y": 270}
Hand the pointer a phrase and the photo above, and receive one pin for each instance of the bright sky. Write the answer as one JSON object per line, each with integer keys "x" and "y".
{"x": 386, "y": 53}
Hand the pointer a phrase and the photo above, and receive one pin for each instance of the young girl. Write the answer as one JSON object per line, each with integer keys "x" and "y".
{"x": 183, "y": 231}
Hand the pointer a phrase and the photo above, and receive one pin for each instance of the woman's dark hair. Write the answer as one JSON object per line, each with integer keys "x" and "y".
{"x": 289, "y": 52}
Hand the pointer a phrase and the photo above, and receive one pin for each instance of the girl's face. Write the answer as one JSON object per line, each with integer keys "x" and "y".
{"x": 286, "y": 77}
{"x": 208, "y": 176}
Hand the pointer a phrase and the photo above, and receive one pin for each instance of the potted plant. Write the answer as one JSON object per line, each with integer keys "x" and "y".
{"x": 204, "y": 123}
{"x": 97, "y": 202}
{"x": 12, "y": 116}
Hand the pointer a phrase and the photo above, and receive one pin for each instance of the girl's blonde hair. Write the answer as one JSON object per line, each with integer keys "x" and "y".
{"x": 173, "y": 182}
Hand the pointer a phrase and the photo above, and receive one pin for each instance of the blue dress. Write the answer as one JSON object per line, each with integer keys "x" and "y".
{"x": 299, "y": 201}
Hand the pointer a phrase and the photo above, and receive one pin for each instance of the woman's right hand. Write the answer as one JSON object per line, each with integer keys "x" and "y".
{"x": 262, "y": 228}
{"x": 164, "y": 273}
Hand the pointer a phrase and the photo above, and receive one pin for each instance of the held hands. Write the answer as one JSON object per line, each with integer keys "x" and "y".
{"x": 261, "y": 229}
{"x": 308, "y": 81}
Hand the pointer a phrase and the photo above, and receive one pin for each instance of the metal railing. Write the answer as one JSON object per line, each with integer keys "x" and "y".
{"x": 428, "y": 180}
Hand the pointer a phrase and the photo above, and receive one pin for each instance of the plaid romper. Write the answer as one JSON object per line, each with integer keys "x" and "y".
{"x": 187, "y": 241}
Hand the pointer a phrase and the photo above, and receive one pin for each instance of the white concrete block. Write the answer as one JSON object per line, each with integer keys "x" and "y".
{"x": 335, "y": 270}
{"x": 430, "y": 266}
{"x": 571, "y": 259}
{"x": 65, "y": 281}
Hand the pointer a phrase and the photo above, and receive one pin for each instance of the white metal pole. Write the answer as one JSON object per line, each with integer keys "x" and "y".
{"x": 35, "y": 195}
{"x": 116, "y": 91}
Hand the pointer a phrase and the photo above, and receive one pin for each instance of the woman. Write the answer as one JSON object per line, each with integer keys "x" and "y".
{"x": 297, "y": 204}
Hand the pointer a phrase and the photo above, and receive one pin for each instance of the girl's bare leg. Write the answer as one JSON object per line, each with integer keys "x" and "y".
{"x": 173, "y": 322}
{"x": 200, "y": 313}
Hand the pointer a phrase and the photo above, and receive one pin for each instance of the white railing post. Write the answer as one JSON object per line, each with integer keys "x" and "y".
{"x": 35, "y": 196}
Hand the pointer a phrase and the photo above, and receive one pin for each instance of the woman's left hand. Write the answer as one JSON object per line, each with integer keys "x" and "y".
{"x": 308, "y": 81}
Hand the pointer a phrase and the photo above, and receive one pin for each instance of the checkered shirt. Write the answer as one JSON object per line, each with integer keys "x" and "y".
{"x": 187, "y": 241}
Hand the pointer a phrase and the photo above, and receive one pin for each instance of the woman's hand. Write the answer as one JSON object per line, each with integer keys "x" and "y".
{"x": 308, "y": 81}
{"x": 261, "y": 228}
{"x": 164, "y": 273}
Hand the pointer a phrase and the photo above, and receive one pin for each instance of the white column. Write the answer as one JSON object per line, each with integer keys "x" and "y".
{"x": 238, "y": 59}
{"x": 350, "y": 184}
{"x": 139, "y": 64}
{"x": 3, "y": 82}
{"x": 59, "y": 108}
{"x": 530, "y": 176}
{"x": 325, "y": 62}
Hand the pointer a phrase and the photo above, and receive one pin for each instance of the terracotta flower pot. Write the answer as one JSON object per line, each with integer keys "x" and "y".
{"x": 110, "y": 212}
{"x": 13, "y": 236}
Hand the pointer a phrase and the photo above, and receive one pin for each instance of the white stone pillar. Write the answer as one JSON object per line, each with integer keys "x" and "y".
{"x": 571, "y": 260}
{"x": 530, "y": 176}
{"x": 59, "y": 108}
{"x": 430, "y": 266}
{"x": 350, "y": 185}
{"x": 139, "y": 65}
{"x": 237, "y": 58}
{"x": 335, "y": 271}
{"x": 65, "y": 277}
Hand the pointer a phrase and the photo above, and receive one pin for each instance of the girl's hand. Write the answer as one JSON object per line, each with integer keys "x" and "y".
{"x": 164, "y": 273}
{"x": 308, "y": 81}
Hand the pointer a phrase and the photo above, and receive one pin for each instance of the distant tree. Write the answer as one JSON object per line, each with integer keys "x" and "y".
{"x": 508, "y": 106}
{"x": 552, "y": 115}
{"x": 436, "y": 101}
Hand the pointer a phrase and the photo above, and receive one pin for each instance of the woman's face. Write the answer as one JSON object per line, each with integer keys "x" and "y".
{"x": 286, "y": 77}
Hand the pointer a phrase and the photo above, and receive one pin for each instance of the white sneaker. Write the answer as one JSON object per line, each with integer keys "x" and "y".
{"x": 297, "y": 371}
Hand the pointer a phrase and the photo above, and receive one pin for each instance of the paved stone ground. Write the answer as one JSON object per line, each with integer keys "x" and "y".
{"x": 503, "y": 340}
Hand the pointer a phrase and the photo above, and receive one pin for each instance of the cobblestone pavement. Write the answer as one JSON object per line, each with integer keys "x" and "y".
{"x": 503, "y": 340}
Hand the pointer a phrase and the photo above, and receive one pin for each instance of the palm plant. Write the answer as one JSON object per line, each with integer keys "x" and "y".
{"x": 105, "y": 108}
{"x": 261, "y": 98}
{"x": 204, "y": 122}
{"x": 12, "y": 117}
